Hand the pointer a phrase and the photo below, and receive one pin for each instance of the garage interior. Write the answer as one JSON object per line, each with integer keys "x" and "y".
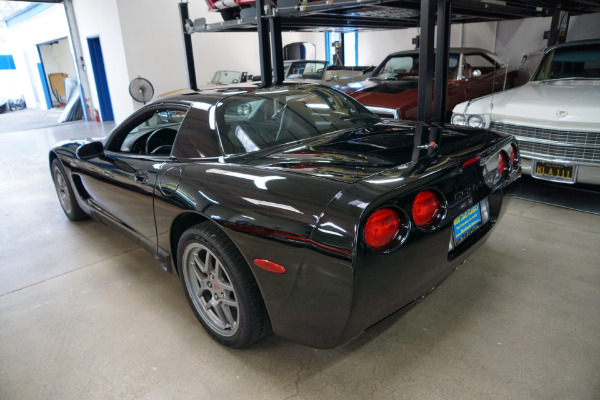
{"x": 87, "y": 313}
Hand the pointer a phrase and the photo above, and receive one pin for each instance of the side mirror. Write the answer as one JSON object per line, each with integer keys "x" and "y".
{"x": 89, "y": 150}
{"x": 476, "y": 73}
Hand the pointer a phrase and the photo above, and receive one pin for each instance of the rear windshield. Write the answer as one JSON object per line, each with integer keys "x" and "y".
{"x": 582, "y": 61}
{"x": 258, "y": 120}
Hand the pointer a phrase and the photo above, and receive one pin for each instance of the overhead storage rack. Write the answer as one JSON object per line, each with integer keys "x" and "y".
{"x": 269, "y": 19}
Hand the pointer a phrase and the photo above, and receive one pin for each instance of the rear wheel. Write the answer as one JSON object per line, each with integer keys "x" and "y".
{"x": 65, "y": 194}
{"x": 220, "y": 287}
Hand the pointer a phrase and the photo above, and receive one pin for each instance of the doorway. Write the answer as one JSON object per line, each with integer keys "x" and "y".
{"x": 97, "y": 61}
{"x": 57, "y": 71}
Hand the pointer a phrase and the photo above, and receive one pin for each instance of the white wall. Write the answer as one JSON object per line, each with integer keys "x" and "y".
{"x": 101, "y": 19}
{"x": 374, "y": 46}
{"x": 509, "y": 39}
{"x": 584, "y": 27}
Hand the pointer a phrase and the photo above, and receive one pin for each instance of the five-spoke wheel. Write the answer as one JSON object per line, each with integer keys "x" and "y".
{"x": 220, "y": 287}
{"x": 213, "y": 294}
{"x": 65, "y": 194}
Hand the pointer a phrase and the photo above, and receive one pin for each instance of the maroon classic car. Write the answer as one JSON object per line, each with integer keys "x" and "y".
{"x": 391, "y": 90}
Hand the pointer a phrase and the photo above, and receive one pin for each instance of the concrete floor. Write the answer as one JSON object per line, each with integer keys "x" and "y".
{"x": 86, "y": 314}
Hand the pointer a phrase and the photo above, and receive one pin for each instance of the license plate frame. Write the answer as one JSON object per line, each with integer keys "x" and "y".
{"x": 553, "y": 171}
{"x": 466, "y": 223}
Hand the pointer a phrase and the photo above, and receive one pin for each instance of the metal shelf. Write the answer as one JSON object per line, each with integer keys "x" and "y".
{"x": 356, "y": 15}
{"x": 352, "y": 15}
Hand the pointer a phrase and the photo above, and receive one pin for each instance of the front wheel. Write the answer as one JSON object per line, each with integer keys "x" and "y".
{"x": 220, "y": 287}
{"x": 65, "y": 194}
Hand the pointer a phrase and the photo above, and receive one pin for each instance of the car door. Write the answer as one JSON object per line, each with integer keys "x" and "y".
{"x": 120, "y": 184}
{"x": 482, "y": 74}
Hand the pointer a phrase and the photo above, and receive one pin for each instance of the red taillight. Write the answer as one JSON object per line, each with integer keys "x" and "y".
{"x": 426, "y": 208}
{"x": 471, "y": 161}
{"x": 503, "y": 164}
{"x": 513, "y": 155}
{"x": 382, "y": 228}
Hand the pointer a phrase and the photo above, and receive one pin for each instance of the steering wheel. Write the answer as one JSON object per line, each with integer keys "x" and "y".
{"x": 160, "y": 139}
{"x": 160, "y": 150}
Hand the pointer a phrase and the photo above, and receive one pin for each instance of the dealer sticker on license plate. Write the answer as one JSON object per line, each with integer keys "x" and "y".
{"x": 554, "y": 172}
{"x": 466, "y": 223}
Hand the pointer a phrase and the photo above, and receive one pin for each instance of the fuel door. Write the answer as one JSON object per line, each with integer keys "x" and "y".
{"x": 168, "y": 182}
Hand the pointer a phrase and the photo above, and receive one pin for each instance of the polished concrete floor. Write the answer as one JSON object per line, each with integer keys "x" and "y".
{"x": 87, "y": 314}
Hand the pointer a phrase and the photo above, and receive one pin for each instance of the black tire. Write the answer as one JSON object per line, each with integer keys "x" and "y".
{"x": 220, "y": 287}
{"x": 65, "y": 194}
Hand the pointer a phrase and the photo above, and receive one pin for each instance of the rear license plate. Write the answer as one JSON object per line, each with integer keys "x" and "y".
{"x": 466, "y": 223}
{"x": 554, "y": 172}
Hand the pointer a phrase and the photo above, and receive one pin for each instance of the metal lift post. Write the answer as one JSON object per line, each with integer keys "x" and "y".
{"x": 187, "y": 43}
{"x": 425, "y": 85}
{"x": 276, "y": 50}
{"x": 440, "y": 86}
{"x": 262, "y": 26}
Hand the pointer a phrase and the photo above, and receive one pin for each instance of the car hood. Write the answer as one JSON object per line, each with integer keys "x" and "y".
{"x": 363, "y": 88}
{"x": 557, "y": 102}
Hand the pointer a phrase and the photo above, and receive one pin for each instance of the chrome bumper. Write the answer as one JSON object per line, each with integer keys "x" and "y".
{"x": 586, "y": 173}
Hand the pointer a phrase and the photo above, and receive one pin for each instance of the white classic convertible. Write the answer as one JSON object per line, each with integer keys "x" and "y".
{"x": 555, "y": 117}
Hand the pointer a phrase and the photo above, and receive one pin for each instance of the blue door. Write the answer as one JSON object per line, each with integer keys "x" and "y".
{"x": 97, "y": 59}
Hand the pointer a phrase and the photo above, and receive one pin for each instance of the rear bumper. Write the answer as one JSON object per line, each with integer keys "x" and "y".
{"x": 387, "y": 283}
{"x": 332, "y": 303}
{"x": 587, "y": 173}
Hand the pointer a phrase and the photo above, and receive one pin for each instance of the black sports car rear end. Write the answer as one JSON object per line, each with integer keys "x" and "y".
{"x": 291, "y": 209}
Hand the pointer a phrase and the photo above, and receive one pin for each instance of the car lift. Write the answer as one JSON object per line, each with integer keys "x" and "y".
{"x": 266, "y": 20}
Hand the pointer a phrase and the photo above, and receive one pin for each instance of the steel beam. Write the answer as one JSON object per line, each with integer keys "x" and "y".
{"x": 425, "y": 89}
{"x": 426, "y": 61}
{"x": 187, "y": 43}
{"x": 554, "y": 28}
{"x": 276, "y": 50}
{"x": 87, "y": 104}
{"x": 442, "y": 53}
{"x": 262, "y": 26}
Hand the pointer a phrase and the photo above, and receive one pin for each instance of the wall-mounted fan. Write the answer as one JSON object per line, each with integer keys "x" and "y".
{"x": 141, "y": 89}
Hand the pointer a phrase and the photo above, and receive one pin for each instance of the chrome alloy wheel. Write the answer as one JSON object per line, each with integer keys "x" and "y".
{"x": 210, "y": 289}
{"x": 62, "y": 189}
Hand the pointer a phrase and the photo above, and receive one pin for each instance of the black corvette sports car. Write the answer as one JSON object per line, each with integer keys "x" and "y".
{"x": 291, "y": 209}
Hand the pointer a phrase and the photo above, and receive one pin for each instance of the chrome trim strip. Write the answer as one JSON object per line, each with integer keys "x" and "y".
{"x": 534, "y": 156}
{"x": 555, "y": 143}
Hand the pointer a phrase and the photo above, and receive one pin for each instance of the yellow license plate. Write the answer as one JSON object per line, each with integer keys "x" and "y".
{"x": 554, "y": 172}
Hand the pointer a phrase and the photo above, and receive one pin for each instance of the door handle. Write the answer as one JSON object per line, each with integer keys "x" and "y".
{"x": 141, "y": 177}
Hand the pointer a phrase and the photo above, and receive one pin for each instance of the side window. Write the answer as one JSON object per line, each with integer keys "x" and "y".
{"x": 197, "y": 137}
{"x": 453, "y": 65}
{"x": 151, "y": 132}
{"x": 474, "y": 62}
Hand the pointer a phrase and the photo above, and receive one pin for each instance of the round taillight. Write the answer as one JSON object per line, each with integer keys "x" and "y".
{"x": 426, "y": 208}
{"x": 513, "y": 155}
{"x": 382, "y": 228}
{"x": 503, "y": 164}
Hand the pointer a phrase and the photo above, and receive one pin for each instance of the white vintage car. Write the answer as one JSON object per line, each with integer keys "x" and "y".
{"x": 555, "y": 117}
